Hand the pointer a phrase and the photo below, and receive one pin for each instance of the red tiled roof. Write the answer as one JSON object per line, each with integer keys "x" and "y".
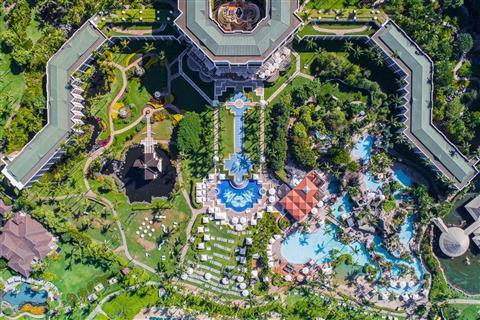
{"x": 22, "y": 241}
{"x": 306, "y": 195}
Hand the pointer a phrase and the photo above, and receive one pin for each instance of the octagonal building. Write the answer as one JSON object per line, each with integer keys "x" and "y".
{"x": 238, "y": 32}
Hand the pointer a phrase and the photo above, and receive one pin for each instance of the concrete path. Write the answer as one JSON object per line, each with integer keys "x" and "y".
{"x": 290, "y": 79}
{"x": 464, "y": 301}
{"x": 339, "y": 32}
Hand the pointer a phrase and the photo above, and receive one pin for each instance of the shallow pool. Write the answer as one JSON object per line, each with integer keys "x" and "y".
{"x": 400, "y": 176}
{"x": 363, "y": 148}
{"x": 342, "y": 206}
{"x": 26, "y": 295}
{"x": 239, "y": 199}
{"x": 300, "y": 248}
{"x": 371, "y": 182}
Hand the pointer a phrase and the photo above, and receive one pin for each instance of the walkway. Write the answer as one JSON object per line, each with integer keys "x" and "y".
{"x": 290, "y": 79}
{"x": 339, "y": 32}
{"x": 90, "y": 193}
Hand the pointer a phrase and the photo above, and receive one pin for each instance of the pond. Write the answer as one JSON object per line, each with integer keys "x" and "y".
{"x": 458, "y": 272}
{"x": 25, "y": 295}
{"x": 140, "y": 189}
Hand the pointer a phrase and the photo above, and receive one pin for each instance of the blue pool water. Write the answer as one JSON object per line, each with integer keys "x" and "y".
{"x": 25, "y": 295}
{"x": 238, "y": 166}
{"x": 406, "y": 232}
{"x": 300, "y": 248}
{"x": 239, "y": 199}
{"x": 363, "y": 148}
{"x": 400, "y": 176}
{"x": 371, "y": 183}
{"x": 341, "y": 206}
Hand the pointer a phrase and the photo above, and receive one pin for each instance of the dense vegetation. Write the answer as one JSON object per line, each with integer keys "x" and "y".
{"x": 442, "y": 29}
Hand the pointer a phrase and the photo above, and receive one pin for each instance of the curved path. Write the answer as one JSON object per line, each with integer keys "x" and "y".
{"x": 457, "y": 67}
{"x": 340, "y": 32}
{"x": 90, "y": 193}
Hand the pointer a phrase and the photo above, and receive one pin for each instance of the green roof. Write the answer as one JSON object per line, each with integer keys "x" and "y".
{"x": 45, "y": 144}
{"x": 280, "y": 22}
{"x": 421, "y": 101}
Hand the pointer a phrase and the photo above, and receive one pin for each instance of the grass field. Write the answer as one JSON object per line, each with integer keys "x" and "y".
{"x": 101, "y": 104}
{"x": 128, "y": 305}
{"x": 465, "y": 312}
{"x": 227, "y": 134}
{"x": 270, "y": 88}
{"x": 72, "y": 276}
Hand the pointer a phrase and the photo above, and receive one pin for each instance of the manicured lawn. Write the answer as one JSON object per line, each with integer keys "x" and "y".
{"x": 227, "y": 134}
{"x": 467, "y": 312}
{"x": 332, "y": 4}
{"x": 185, "y": 97}
{"x": 101, "y": 104}
{"x": 270, "y": 88}
{"x": 127, "y": 305}
{"x": 309, "y": 30}
{"x": 136, "y": 97}
{"x": 72, "y": 276}
{"x": 295, "y": 82}
{"x": 169, "y": 231}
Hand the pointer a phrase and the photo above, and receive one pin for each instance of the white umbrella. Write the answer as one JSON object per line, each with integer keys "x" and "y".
{"x": 234, "y": 220}
{"x": 272, "y": 191}
{"x": 240, "y": 279}
{"x": 242, "y": 285}
{"x": 245, "y": 293}
{"x": 189, "y": 271}
{"x": 314, "y": 210}
{"x": 288, "y": 277}
{"x": 208, "y": 276}
{"x": 225, "y": 281}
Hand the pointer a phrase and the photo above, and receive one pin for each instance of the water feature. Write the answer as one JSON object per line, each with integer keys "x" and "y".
{"x": 25, "y": 295}
{"x": 239, "y": 164}
{"x": 363, "y": 148}
{"x": 136, "y": 186}
{"x": 371, "y": 182}
{"x": 342, "y": 206}
{"x": 239, "y": 199}
{"x": 299, "y": 248}
{"x": 458, "y": 272}
{"x": 400, "y": 176}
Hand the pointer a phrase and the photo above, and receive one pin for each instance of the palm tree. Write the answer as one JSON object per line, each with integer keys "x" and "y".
{"x": 124, "y": 43}
{"x": 149, "y": 47}
{"x": 348, "y": 46}
{"x": 311, "y": 43}
{"x": 357, "y": 52}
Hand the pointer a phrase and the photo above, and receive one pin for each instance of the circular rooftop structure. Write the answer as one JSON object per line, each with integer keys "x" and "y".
{"x": 238, "y": 31}
{"x": 454, "y": 242}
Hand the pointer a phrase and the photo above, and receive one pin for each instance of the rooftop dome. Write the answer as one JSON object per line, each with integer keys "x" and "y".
{"x": 454, "y": 242}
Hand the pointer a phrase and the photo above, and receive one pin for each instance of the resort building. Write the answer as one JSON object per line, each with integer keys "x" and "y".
{"x": 304, "y": 198}
{"x": 234, "y": 32}
{"x": 25, "y": 241}
{"x": 455, "y": 241}
{"x": 64, "y": 109}
{"x": 412, "y": 65}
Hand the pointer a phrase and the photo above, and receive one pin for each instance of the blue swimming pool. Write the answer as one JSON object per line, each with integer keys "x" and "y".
{"x": 26, "y": 295}
{"x": 299, "y": 248}
{"x": 371, "y": 182}
{"x": 239, "y": 199}
{"x": 342, "y": 206}
{"x": 400, "y": 176}
{"x": 363, "y": 148}
{"x": 238, "y": 166}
